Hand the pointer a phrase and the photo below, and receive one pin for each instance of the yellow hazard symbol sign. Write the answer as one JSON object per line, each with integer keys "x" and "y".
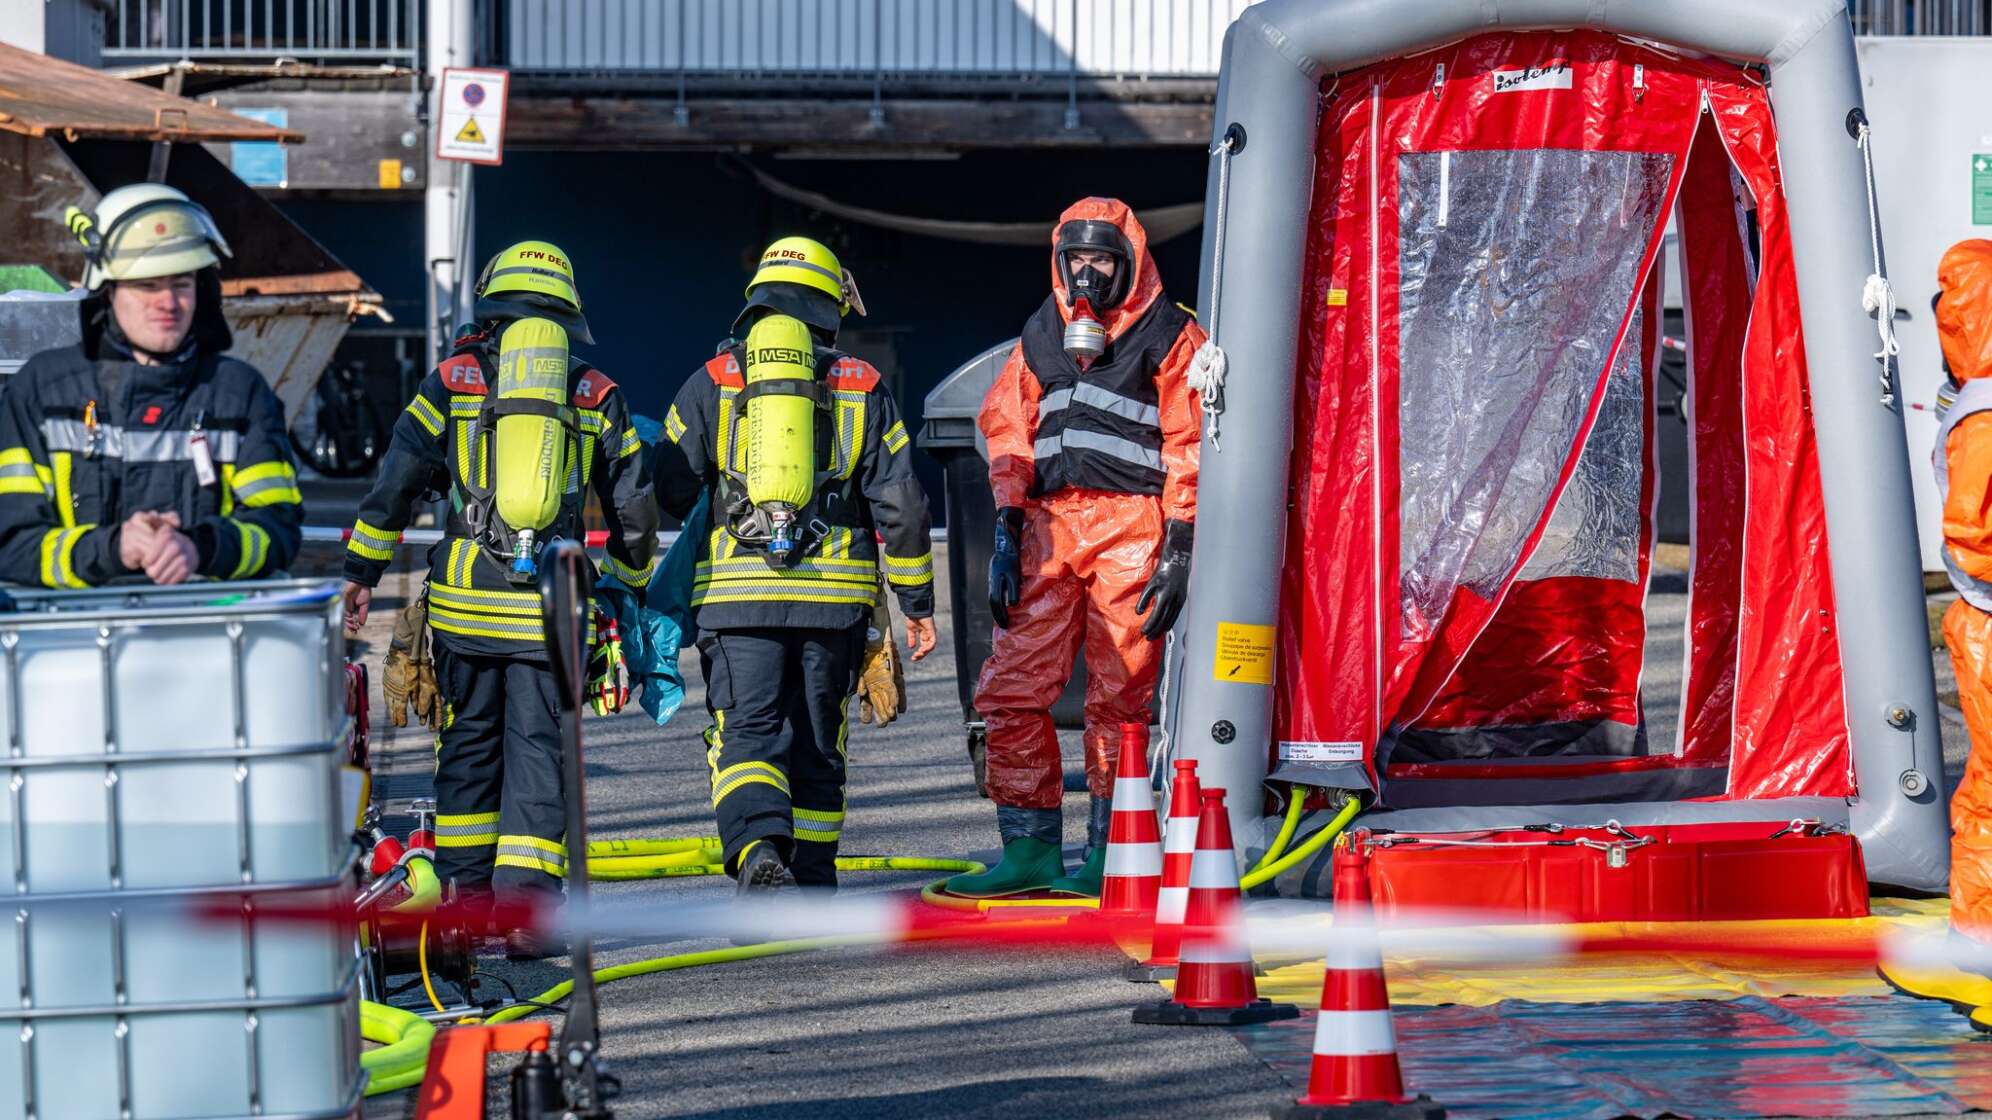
{"x": 1244, "y": 653}
{"x": 470, "y": 133}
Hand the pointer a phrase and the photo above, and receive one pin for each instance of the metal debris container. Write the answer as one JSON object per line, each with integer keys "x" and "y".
{"x": 175, "y": 760}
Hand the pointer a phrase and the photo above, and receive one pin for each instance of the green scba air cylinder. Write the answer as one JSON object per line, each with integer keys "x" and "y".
{"x": 530, "y": 452}
{"x": 781, "y": 424}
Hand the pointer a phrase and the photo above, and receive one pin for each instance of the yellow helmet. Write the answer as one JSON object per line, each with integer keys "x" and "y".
{"x": 809, "y": 264}
{"x": 537, "y": 274}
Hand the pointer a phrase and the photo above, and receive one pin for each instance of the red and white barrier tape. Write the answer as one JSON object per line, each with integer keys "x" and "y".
{"x": 326, "y": 534}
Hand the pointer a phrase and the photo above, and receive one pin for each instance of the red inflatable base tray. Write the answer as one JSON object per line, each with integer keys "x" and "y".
{"x": 1701, "y": 872}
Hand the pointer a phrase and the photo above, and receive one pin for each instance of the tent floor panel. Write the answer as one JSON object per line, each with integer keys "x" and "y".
{"x": 1752, "y": 1056}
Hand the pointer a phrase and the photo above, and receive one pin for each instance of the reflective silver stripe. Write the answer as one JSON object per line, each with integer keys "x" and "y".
{"x": 18, "y": 470}
{"x": 537, "y": 855}
{"x": 1974, "y": 397}
{"x": 467, "y": 829}
{"x": 1126, "y": 407}
{"x": 816, "y": 268}
{"x": 1123, "y": 449}
{"x": 1093, "y": 396}
{"x": 145, "y": 445}
{"x": 274, "y": 482}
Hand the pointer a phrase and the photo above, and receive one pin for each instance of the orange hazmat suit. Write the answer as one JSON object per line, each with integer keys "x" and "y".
{"x": 1100, "y": 459}
{"x": 1964, "y": 327}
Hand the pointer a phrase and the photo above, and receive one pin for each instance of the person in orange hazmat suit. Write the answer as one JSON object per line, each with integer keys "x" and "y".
{"x": 1963, "y": 462}
{"x": 1092, "y": 430}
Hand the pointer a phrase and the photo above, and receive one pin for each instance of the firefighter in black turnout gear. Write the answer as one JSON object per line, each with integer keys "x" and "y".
{"x": 142, "y": 452}
{"x": 809, "y": 467}
{"x": 517, "y": 432}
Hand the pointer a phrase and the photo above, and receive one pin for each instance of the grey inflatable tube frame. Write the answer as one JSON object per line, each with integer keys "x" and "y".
{"x": 1274, "y": 58}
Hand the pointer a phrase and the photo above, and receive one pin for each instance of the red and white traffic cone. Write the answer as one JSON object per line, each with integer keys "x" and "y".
{"x": 1134, "y": 844}
{"x": 1214, "y": 986}
{"x": 1355, "y": 1074}
{"x": 1179, "y": 846}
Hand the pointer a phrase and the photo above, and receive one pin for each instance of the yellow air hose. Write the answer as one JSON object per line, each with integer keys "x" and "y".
{"x": 403, "y": 1056}
{"x": 1307, "y": 848}
{"x": 1296, "y": 802}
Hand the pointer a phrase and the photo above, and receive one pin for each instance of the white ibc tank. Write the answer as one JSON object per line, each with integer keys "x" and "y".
{"x": 169, "y": 748}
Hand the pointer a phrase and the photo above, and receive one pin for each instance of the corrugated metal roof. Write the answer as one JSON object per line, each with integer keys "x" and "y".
{"x": 40, "y": 96}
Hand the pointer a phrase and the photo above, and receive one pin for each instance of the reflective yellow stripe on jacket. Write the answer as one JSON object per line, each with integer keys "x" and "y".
{"x": 58, "y": 555}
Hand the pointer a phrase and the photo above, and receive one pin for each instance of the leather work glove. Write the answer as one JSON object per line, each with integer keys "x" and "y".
{"x": 608, "y": 675}
{"x": 1006, "y": 569}
{"x": 407, "y": 675}
{"x": 882, "y": 678}
{"x": 1170, "y": 585}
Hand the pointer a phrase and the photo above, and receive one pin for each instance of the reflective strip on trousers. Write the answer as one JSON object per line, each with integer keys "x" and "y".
{"x": 469, "y": 830}
{"x": 1125, "y": 450}
{"x": 531, "y": 853}
{"x": 1106, "y": 400}
{"x": 818, "y": 826}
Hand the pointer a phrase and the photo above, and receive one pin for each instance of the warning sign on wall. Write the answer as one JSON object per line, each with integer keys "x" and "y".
{"x": 470, "y": 115}
{"x": 1244, "y": 653}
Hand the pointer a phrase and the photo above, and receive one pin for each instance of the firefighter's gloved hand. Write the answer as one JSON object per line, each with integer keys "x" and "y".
{"x": 1006, "y": 569}
{"x": 882, "y": 678}
{"x": 1170, "y": 585}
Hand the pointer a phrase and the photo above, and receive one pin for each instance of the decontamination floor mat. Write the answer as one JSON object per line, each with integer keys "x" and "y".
{"x": 1641, "y": 977}
{"x": 1751, "y": 1056}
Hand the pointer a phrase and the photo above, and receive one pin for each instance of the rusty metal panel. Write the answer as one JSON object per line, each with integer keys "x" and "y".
{"x": 42, "y": 96}
{"x": 289, "y": 341}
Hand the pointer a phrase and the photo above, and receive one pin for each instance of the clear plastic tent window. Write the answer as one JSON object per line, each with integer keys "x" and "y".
{"x": 1518, "y": 271}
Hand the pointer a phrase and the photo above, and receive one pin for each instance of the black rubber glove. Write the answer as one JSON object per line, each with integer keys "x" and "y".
{"x": 1170, "y": 585}
{"x": 1006, "y": 570}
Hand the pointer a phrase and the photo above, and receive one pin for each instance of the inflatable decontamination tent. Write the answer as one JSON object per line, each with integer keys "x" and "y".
{"x": 1433, "y": 260}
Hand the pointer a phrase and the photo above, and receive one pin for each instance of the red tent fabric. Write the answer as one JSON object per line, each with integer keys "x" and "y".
{"x": 1472, "y": 510}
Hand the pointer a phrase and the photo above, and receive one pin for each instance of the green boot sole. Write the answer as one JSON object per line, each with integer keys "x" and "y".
{"x": 1086, "y": 880}
{"x": 1027, "y": 865}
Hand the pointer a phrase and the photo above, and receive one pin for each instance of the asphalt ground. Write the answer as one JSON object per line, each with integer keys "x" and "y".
{"x": 849, "y": 1033}
{"x": 872, "y": 1033}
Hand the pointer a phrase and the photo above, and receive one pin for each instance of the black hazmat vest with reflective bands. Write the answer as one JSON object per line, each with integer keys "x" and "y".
{"x": 1100, "y": 428}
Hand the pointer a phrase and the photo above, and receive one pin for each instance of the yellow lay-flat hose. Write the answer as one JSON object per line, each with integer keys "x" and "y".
{"x": 1307, "y": 848}
{"x": 404, "y": 1054}
{"x": 1296, "y": 802}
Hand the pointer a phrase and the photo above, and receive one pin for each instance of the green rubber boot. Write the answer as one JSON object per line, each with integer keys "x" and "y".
{"x": 1085, "y": 881}
{"x": 1027, "y": 865}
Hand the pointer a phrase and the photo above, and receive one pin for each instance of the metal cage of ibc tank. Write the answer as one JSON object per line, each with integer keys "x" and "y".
{"x": 174, "y": 753}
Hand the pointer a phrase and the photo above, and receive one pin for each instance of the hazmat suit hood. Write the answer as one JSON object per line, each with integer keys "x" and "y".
{"x": 1964, "y": 308}
{"x": 1147, "y": 282}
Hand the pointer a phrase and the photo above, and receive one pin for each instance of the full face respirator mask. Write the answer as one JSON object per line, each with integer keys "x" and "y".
{"x": 1089, "y": 292}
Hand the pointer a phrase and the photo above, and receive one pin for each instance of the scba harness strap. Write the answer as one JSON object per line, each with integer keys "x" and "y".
{"x": 745, "y": 523}
{"x": 474, "y": 501}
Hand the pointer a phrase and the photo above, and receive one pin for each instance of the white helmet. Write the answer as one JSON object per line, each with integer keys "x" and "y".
{"x": 142, "y": 231}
